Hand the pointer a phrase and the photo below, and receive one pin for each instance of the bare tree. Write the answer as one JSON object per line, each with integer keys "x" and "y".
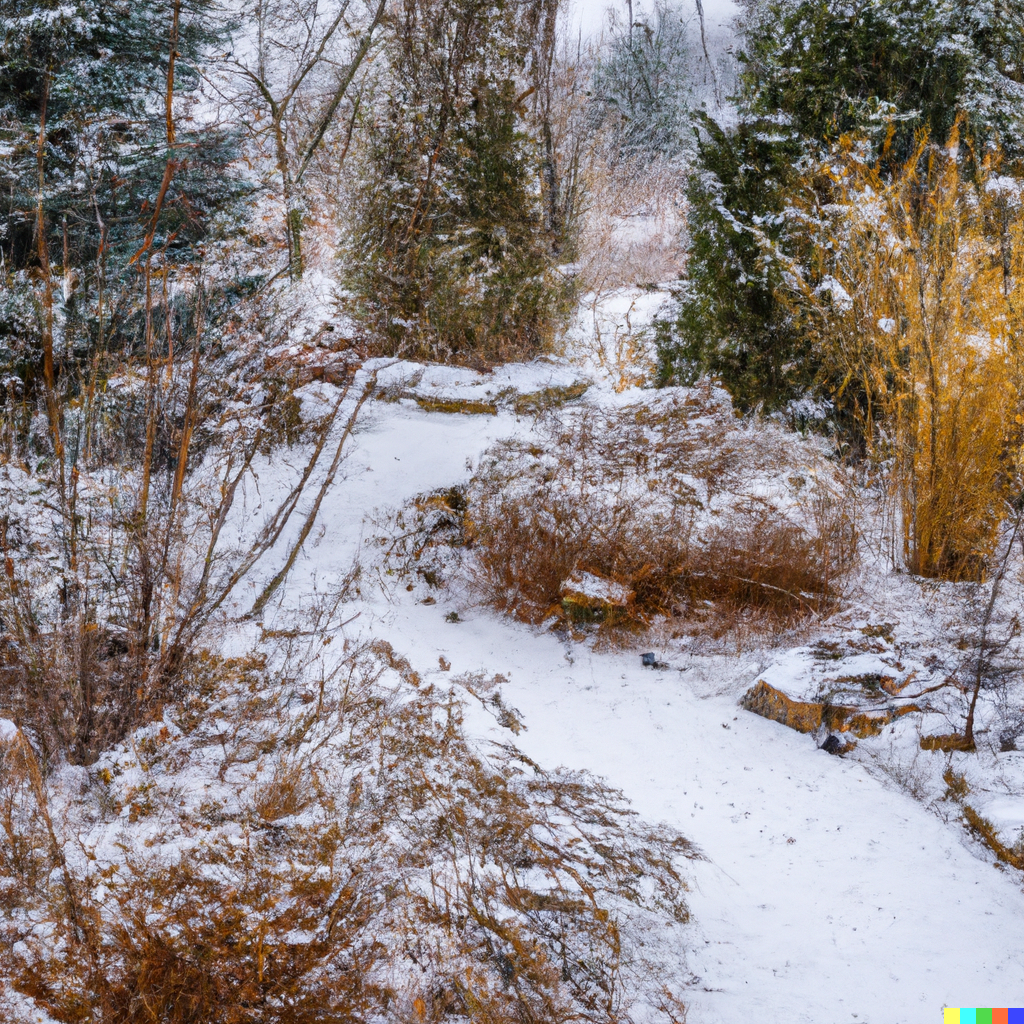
{"x": 299, "y": 69}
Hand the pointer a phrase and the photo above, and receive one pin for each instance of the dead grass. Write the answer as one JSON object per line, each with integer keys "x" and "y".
{"x": 288, "y": 792}
{"x": 418, "y": 878}
{"x": 915, "y": 316}
{"x": 457, "y": 405}
{"x": 654, "y": 501}
{"x": 632, "y": 228}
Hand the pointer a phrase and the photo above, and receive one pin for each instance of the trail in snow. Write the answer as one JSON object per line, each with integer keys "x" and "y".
{"x": 826, "y": 896}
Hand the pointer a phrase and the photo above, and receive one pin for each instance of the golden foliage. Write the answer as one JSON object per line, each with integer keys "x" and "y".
{"x": 913, "y": 292}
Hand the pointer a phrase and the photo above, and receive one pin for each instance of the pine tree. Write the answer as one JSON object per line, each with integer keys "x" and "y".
{"x": 644, "y": 82}
{"x": 450, "y": 257}
{"x": 815, "y": 70}
{"x": 96, "y": 167}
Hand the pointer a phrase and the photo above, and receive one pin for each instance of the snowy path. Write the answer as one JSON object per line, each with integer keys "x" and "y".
{"x": 826, "y": 896}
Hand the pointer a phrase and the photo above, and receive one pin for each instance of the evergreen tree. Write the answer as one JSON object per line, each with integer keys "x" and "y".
{"x": 813, "y": 71}
{"x": 98, "y": 173}
{"x": 833, "y": 67}
{"x": 450, "y": 257}
{"x": 643, "y": 81}
{"x": 728, "y": 322}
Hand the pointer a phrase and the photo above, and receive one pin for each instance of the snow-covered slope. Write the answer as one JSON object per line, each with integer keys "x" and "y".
{"x": 827, "y": 893}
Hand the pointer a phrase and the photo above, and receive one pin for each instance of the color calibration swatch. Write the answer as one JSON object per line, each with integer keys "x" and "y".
{"x": 986, "y": 1015}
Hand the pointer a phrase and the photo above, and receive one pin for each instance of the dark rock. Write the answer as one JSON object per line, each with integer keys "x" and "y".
{"x": 832, "y": 745}
{"x": 648, "y": 660}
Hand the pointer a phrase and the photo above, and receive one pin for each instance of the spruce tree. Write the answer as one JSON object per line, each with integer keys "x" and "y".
{"x": 815, "y": 70}
{"x": 97, "y": 167}
{"x": 450, "y": 257}
{"x": 643, "y": 82}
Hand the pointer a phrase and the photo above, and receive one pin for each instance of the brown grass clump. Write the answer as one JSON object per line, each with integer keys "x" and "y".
{"x": 652, "y": 501}
{"x": 458, "y": 405}
{"x": 808, "y": 716}
{"x": 417, "y": 878}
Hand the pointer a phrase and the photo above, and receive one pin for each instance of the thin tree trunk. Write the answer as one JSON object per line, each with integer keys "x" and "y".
{"x": 985, "y": 623}
{"x": 49, "y": 371}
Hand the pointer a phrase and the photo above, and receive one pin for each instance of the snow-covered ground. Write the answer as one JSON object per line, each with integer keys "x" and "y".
{"x": 828, "y": 894}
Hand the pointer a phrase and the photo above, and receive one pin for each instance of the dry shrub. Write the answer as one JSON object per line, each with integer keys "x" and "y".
{"x": 656, "y": 498}
{"x": 228, "y": 934}
{"x": 285, "y": 794}
{"x": 914, "y": 304}
{"x": 762, "y": 560}
{"x": 119, "y": 551}
{"x": 424, "y": 879}
{"x": 632, "y": 226}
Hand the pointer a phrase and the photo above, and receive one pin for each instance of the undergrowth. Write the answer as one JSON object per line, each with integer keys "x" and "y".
{"x": 675, "y": 502}
{"x": 317, "y": 838}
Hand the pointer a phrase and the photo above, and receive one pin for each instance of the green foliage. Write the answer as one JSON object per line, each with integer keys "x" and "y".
{"x": 450, "y": 257}
{"x": 814, "y": 71}
{"x": 834, "y": 67}
{"x": 728, "y": 322}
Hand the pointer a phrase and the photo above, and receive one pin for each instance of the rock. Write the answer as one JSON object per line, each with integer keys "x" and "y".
{"x": 766, "y": 701}
{"x": 832, "y": 745}
{"x": 590, "y": 598}
{"x": 806, "y": 716}
{"x": 648, "y": 660}
{"x": 947, "y": 743}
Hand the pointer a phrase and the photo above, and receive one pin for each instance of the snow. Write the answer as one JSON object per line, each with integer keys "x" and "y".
{"x": 828, "y": 893}
{"x": 826, "y": 896}
{"x": 839, "y": 295}
{"x": 8, "y": 731}
{"x": 596, "y": 588}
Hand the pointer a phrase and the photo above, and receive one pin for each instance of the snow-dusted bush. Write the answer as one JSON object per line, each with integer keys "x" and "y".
{"x": 672, "y": 499}
{"x": 323, "y": 841}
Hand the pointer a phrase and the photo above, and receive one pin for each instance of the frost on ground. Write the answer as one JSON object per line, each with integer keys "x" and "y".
{"x": 380, "y": 750}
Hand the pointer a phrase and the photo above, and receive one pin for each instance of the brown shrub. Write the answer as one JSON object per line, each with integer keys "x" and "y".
{"x": 653, "y": 500}
{"x": 425, "y": 880}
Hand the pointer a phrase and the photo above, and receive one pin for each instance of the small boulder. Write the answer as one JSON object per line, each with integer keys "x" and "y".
{"x": 766, "y": 701}
{"x": 832, "y": 745}
{"x": 590, "y": 598}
